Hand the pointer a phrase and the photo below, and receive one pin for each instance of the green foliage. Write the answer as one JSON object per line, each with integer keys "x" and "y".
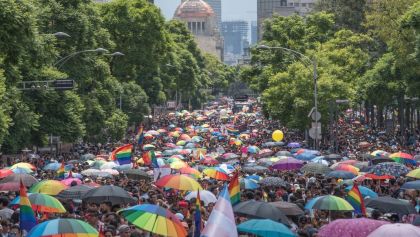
{"x": 116, "y": 126}
{"x": 134, "y": 102}
{"x": 5, "y": 119}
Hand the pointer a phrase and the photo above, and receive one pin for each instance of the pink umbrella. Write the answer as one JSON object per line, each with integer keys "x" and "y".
{"x": 360, "y": 227}
{"x": 69, "y": 181}
{"x": 392, "y": 230}
{"x": 287, "y": 164}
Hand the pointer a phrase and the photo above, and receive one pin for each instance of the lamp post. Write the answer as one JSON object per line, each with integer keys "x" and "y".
{"x": 309, "y": 63}
{"x": 65, "y": 59}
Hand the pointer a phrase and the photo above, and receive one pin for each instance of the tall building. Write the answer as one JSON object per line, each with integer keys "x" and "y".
{"x": 217, "y": 8}
{"x": 235, "y": 37}
{"x": 254, "y": 32}
{"x": 201, "y": 21}
{"x": 267, "y": 8}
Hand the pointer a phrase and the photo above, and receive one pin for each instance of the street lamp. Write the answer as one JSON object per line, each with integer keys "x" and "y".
{"x": 309, "y": 62}
{"x": 63, "y": 60}
{"x": 61, "y": 34}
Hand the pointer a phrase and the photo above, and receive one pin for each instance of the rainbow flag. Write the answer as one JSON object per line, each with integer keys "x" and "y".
{"x": 122, "y": 154}
{"x": 197, "y": 216}
{"x": 221, "y": 222}
{"x": 140, "y": 135}
{"x": 153, "y": 159}
{"x": 232, "y": 130}
{"x": 355, "y": 198}
{"x": 234, "y": 189}
{"x": 61, "y": 171}
{"x": 26, "y": 214}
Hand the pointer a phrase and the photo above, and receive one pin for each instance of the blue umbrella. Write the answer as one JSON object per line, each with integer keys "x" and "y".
{"x": 56, "y": 166}
{"x": 364, "y": 191}
{"x": 305, "y": 156}
{"x": 265, "y": 228}
{"x": 293, "y": 145}
{"x": 341, "y": 174}
{"x": 254, "y": 177}
{"x": 247, "y": 183}
{"x": 411, "y": 185}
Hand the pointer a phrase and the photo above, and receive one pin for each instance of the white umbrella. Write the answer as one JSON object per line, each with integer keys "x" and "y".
{"x": 206, "y": 196}
{"x": 109, "y": 165}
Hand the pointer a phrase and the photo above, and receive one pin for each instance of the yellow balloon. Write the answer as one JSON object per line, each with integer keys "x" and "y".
{"x": 277, "y": 135}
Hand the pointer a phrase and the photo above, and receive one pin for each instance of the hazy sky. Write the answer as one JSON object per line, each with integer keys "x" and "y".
{"x": 231, "y": 9}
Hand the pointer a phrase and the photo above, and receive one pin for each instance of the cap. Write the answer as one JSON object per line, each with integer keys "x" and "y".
{"x": 180, "y": 216}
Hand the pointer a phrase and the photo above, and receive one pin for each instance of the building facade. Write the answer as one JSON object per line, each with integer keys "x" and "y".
{"x": 235, "y": 37}
{"x": 217, "y": 8}
{"x": 267, "y": 8}
{"x": 201, "y": 21}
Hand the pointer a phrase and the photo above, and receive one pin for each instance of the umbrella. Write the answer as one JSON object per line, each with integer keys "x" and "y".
{"x": 306, "y": 156}
{"x": 179, "y": 182}
{"x": 411, "y": 185}
{"x": 273, "y": 182}
{"x": 403, "y": 158}
{"x": 71, "y": 181}
{"x": 378, "y": 160}
{"x": 364, "y": 144}
{"x": 288, "y": 208}
{"x": 87, "y": 156}
{"x": 414, "y": 174}
{"x": 205, "y": 196}
{"x": 137, "y": 174}
{"x": 113, "y": 194}
{"x": 341, "y": 174}
{"x": 260, "y": 210}
{"x": 253, "y": 149}
{"x": 50, "y": 187}
{"x": 63, "y": 228}
{"x": 42, "y": 203}
{"x": 5, "y": 173}
{"x": 190, "y": 171}
{"x": 348, "y": 168}
{"x": 287, "y": 164}
{"x": 154, "y": 219}
{"x": 398, "y": 229}
{"x": 109, "y": 165}
{"x": 254, "y": 169}
{"x": 293, "y": 145}
{"x": 264, "y": 152}
{"x": 315, "y": 168}
{"x": 283, "y": 153}
{"x": 389, "y": 168}
{"x": 148, "y": 147}
{"x": 379, "y": 153}
{"x": 21, "y": 170}
{"x": 390, "y": 205}
{"x": 332, "y": 157}
{"x": 265, "y": 228}
{"x": 272, "y": 144}
{"x": 359, "y": 227}
{"x": 330, "y": 203}
{"x": 28, "y": 180}
{"x": 366, "y": 192}
{"x": 247, "y": 183}
{"x": 228, "y": 156}
{"x": 23, "y": 165}
{"x": 75, "y": 192}
{"x": 209, "y": 161}
{"x": 216, "y": 174}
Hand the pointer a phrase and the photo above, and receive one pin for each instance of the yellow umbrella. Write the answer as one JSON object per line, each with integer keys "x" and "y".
{"x": 414, "y": 174}
{"x": 178, "y": 165}
{"x": 23, "y": 165}
{"x": 50, "y": 187}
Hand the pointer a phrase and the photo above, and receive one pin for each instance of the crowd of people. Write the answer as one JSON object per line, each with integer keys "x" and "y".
{"x": 219, "y": 131}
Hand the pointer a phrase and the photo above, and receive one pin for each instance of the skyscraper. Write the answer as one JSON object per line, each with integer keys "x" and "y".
{"x": 254, "y": 32}
{"x": 267, "y": 8}
{"x": 217, "y": 8}
{"x": 235, "y": 36}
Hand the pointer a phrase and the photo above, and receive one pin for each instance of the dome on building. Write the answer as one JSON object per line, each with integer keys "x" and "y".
{"x": 194, "y": 9}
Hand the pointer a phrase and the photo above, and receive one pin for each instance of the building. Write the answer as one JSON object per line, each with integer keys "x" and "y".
{"x": 254, "y": 32}
{"x": 267, "y": 8}
{"x": 217, "y": 8}
{"x": 201, "y": 21}
{"x": 235, "y": 37}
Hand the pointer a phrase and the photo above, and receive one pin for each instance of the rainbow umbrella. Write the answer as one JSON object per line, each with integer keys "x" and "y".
{"x": 154, "y": 219}
{"x": 329, "y": 203}
{"x": 42, "y": 203}
{"x": 5, "y": 173}
{"x": 23, "y": 165}
{"x": 414, "y": 174}
{"x": 403, "y": 158}
{"x": 178, "y": 165}
{"x": 21, "y": 170}
{"x": 50, "y": 187}
{"x": 71, "y": 181}
{"x": 190, "y": 171}
{"x": 181, "y": 143}
{"x": 185, "y": 137}
{"x": 148, "y": 147}
{"x": 172, "y": 160}
{"x": 63, "y": 228}
{"x": 216, "y": 174}
{"x": 179, "y": 181}
{"x": 153, "y": 132}
{"x": 148, "y": 136}
{"x": 348, "y": 168}
{"x": 161, "y": 130}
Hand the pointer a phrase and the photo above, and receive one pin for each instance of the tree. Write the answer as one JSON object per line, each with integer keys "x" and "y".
{"x": 134, "y": 102}
{"x": 116, "y": 126}
{"x": 348, "y": 14}
{"x": 5, "y": 120}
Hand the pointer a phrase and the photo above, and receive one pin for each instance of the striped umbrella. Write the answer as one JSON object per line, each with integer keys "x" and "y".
{"x": 154, "y": 219}
{"x": 42, "y": 203}
{"x": 179, "y": 182}
{"x": 329, "y": 203}
{"x": 403, "y": 158}
{"x": 414, "y": 174}
{"x": 50, "y": 187}
{"x": 63, "y": 228}
{"x": 216, "y": 174}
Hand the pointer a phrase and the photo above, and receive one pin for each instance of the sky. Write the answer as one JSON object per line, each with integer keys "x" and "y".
{"x": 231, "y": 9}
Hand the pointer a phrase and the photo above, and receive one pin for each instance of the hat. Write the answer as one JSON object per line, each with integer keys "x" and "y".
{"x": 123, "y": 228}
{"x": 180, "y": 216}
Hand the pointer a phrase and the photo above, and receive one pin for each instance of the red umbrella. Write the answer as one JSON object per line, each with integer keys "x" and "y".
{"x": 209, "y": 161}
{"x": 5, "y": 172}
{"x": 379, "y": 177}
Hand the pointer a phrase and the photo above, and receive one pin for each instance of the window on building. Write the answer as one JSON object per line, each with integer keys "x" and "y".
{"x": 296, "y": 4}
{"x": 283, "y": 3}
{"x": 204, "y": 26}
{"x": 189, "y": 26}
{"x": 291, "y": 4}
{"x": 303, "y": 4}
